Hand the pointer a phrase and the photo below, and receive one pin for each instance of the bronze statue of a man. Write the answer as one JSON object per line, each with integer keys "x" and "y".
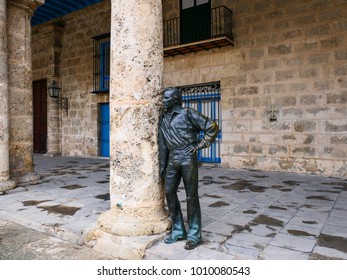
{"x": 179, "y": 143}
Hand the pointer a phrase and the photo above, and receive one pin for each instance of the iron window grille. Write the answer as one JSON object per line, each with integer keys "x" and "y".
{"x": 205, "y": 98}
{"x": 101, "y": 64}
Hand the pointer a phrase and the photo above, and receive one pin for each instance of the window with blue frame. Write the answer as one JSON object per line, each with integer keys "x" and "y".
{"x": 205, "y": 98}
{"x": 101, "y": 62}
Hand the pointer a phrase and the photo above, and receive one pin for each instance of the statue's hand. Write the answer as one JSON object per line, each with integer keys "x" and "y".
{"x": 191, "y": 149}
{"x": 162, "y": 173}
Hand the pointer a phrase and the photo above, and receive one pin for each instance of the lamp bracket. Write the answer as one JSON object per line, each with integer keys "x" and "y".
{"x": 63, "y": 103}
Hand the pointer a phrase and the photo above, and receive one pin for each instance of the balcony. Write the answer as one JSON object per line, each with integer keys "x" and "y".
{"x": 198, "y": 32}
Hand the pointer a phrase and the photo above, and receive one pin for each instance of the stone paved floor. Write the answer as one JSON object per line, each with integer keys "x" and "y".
{"x": 246, "y": 214}
{"x": 21, "y": 243}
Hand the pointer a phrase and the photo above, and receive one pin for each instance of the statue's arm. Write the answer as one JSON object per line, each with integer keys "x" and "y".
{"x": 211, "y": 131}
{"x": 203, "y": 123}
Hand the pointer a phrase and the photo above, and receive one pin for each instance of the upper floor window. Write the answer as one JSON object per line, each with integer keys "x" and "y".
{"x": 101, "y": 62}
{"x": 195, "y": 20}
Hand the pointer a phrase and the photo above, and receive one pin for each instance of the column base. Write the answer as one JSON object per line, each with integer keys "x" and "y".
{"x": 29, "y": 179}
{"x": 134, "y": 222}
{"x": 124, "y": 247}
{"x": 52, "y": 154}
{"x": 7, "y": 185}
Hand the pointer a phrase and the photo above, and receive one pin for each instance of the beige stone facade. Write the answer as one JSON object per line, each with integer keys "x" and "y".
{"x": 289, "y": 58}
{"x": 63, "y": 51}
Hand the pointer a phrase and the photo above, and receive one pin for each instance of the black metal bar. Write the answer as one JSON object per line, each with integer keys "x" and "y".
{"x": 171, "y": 32}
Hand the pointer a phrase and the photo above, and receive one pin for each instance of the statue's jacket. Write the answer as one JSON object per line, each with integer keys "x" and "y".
{"x": 180, "y": 128}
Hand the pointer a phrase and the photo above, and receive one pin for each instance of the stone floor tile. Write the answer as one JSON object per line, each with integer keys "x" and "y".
{"x": 173, "y": 251}
{"x": 264, "y": 230}
{"x": 263, "y": 201}
{"x": 249, "y": 208}
{"x": 278, "y": 253}
{"x": 306, "y": 222}
{"x": 300, "y": 230}
{"x": 53, "y": 248}
{"x": 213, "y": 237}
{"x": 338, "y": 213}
{"x": 341, "y": 205}
{"x": 203, "y": 253}
{"x": 329, "y": 203}
{"x": 283, "y": 215}
{"x": 86, "y": 225}
{"x": 324, "y": 253}
{"x": 215, "y": 212}
{"x": 218, "y": 227}
{"x": 239, "y": 252}
{"x": 234, "y": 219}
{"x": 206, "y": 220}
{"x": 334, "y": 230}
{"x": 337, "y": 221}
{"x": 248, "y": 240}
{"x": 213, "y": 240}
{"x": 298, "y": 243}
{"x": 313, "y": 215}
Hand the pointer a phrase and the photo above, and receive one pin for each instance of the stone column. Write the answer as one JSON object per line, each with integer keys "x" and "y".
{"x": 19, "y": 13}
{"x": 5, "y": 182}
{"x": 137, "y": 197}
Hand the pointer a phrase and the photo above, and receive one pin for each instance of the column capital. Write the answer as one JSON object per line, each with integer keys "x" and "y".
{"x": 31, "y": 5}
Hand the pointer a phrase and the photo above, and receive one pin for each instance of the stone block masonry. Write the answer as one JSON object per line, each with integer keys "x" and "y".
{"x": 63, "y": 51}
{"x": 287, "y": 54}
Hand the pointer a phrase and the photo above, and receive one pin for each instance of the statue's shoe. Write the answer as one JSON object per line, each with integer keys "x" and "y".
{"x": 190, "y": 245}
{"x": 170, "y": 239}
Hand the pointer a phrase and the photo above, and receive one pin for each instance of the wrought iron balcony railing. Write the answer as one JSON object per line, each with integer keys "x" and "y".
{"x": 198, "y": 32}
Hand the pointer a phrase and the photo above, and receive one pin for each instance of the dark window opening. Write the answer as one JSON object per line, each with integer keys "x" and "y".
{"x": 101, "y": 62}
{"x": 195, "y": 20}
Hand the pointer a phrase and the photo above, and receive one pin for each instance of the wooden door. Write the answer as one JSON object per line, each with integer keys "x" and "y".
{"x": 40, "y": 116}
{"x": 104, "y": 129}
{"x": 195, "y": 20}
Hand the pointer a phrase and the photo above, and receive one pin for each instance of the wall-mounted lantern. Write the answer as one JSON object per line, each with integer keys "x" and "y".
{"x": 54, "y": 92}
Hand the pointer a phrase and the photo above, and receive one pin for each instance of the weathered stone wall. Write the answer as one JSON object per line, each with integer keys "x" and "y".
{"x": 46, "y": 49}
{"x": 63, "y": 50}
{"x": 171, "y": 9}
{"x": 80, "y": 128}
{"x": 289, "y": 55}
